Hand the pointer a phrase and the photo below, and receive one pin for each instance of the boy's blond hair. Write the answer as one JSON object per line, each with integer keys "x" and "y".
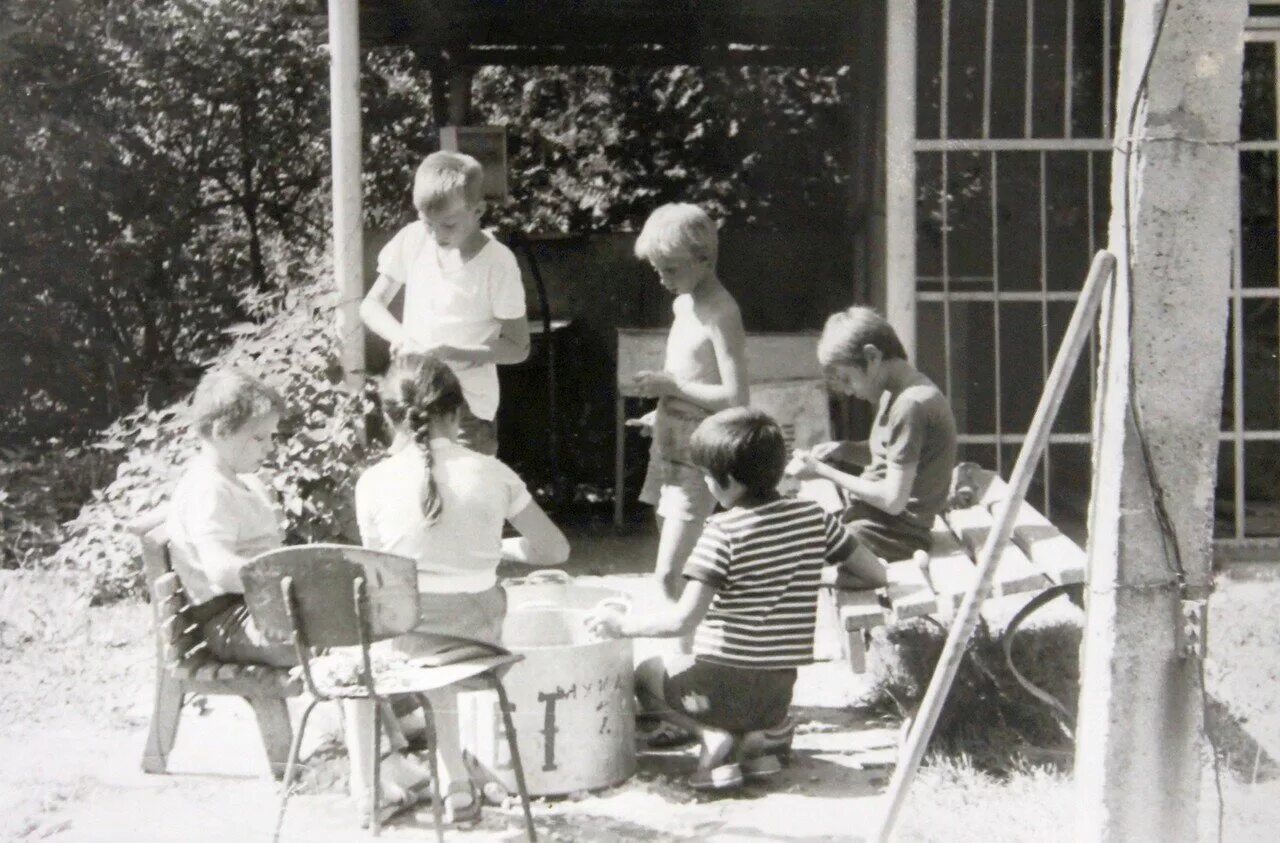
{"x": 678, "y": 228}
{"x": 443, "y": 177}
{"x": 228, "y": 399}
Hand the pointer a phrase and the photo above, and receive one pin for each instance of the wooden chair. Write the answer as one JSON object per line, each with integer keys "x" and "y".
{"x": 339, "y": 596}
{"x": 185, "y": 666}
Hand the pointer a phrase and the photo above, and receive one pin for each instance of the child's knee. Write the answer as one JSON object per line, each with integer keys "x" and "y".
{"x": 651, "y": 675}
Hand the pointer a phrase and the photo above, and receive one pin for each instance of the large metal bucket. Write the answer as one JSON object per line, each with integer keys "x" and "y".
{"x": 573, "y": 696}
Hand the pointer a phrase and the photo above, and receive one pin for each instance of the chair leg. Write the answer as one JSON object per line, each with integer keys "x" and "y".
{"x": 437, "y": 800}
{"x": 277, "y": 733}
{"x": 375, "y": 786}
{"x": 516, "y": 765}
{"x": 290, "y": 763}
{"x": 164, "y": 722}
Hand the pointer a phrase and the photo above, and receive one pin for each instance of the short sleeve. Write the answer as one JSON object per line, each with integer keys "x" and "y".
{"x": 506, "y": 290}
{"x": 709, "y": 561}
{"x": 393, "y": 260}
{"x": 518, "y": 497}
{"x": 837, "y": 542}
{"x": 905, "y": 432}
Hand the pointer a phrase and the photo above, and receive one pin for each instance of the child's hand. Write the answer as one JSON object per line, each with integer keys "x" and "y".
{"x": 654, "y": 384}
{"x": 604, "y": 622}
{"x": 803, "y": 466}
{"x": 644, "y": 423}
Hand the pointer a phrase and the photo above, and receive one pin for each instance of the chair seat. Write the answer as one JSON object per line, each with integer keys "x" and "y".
{"x": 402, "y": 678}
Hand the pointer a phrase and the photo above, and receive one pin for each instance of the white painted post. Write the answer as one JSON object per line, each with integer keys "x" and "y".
{"x": 1174, "y": 204}
{"x": 900, "y": 170}
{"x": 348, "y": 215}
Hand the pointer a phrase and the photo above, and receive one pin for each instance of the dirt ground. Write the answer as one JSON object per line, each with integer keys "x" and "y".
{"x": 77, "y": 692}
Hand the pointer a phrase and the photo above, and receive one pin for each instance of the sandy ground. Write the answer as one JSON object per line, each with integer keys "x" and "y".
{"x": 72, "y": 731}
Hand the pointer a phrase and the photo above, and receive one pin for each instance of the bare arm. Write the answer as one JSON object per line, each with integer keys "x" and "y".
{"x": 678, "y": 619}
{"x": 375, "y": 313}
{"x": 540, "y": 541}
{"x": 889, "y": 494}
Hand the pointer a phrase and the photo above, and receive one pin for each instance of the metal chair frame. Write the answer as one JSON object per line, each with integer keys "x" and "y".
{"x": 365, "y": 636}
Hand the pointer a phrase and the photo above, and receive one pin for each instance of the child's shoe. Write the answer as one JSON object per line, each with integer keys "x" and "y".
{"x": 775, "y": 741}
{"x": 723, "y": 777}
{"x": 761, "y": 768}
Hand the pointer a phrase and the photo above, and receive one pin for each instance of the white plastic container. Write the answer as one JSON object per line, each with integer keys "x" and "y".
{"x": 573, "y": 696}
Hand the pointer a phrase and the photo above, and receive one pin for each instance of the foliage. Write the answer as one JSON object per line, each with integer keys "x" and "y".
{"x": 986, "y": 714}
{"x": 152, "y": 158}
{"x": 595, "y": 149}
{"x": 313, "y": 469}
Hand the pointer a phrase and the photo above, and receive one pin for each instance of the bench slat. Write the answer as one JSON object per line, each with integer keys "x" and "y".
{"x": 951, "y": 569}
{"x": 1014, "y": 572}
{"x": 1052, "y": 553}
{"x": 910, "y": 595}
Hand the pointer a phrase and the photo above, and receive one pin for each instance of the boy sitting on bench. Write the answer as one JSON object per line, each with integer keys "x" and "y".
{"x": 907, "y": 461}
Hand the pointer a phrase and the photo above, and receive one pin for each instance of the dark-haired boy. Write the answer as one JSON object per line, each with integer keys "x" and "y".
{"x": 910, "y": 454}
{"x": 750, "y": 598}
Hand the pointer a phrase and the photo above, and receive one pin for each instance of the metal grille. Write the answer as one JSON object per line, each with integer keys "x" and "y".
{"x": 1013, "y": 171}
{"x": 1011, "y": 151}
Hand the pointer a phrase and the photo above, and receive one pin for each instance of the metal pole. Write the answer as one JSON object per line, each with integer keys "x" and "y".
{"x": 348, "y": 216}
{"x": 966, "y": 618}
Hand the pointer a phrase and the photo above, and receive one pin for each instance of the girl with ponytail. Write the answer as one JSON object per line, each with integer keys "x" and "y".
{"x": 445, "y": 506}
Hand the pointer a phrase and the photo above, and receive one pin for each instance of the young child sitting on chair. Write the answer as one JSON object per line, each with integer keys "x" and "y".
{"x": 750, "y": 597}
{"x": 221, "y": 515}
{"x": 444, "y": 505}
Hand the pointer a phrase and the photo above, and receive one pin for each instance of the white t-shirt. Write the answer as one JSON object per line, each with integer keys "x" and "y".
{"x": 461, "y": 306}
{"x": 461, "y": 551}
{"x": 210, "y": 508}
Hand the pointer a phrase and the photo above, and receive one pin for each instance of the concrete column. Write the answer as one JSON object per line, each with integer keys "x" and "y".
{"x": 1174, "y": 207}
{"x": 900, "y": 170}
{"x": 348, "y": 216}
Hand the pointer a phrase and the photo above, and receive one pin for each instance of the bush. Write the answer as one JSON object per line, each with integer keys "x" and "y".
{"x": 987, "y": 714}
{"x": 313, "y": 469}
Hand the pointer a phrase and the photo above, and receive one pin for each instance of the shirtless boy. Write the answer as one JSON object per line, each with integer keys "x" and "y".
{"x": 704, "y": 372}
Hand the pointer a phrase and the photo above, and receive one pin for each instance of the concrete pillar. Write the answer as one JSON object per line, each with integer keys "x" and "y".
{"x": 348, "y": 215}
{"x": 900, "y": 170}
{"x": 1174, "y": 206}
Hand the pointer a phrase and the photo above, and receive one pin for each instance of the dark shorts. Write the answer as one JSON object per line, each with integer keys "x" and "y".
{"x": 232, "y": 636}
{"x": 881, "y": 534}
{"x": 735, "y": 699}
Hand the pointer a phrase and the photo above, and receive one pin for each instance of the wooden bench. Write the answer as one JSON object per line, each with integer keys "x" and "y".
{"x": 184, "y": 666}
{"x": 1038, "y": 556}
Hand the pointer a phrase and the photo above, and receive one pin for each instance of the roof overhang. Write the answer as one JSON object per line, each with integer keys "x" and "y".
{"x": 615, "y": 32}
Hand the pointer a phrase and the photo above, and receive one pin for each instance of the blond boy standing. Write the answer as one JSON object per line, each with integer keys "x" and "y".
{"x": 704, "y": 372}
{"x": 464, "y": 300}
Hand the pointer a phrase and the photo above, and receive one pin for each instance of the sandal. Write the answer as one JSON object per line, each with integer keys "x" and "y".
{"x": 465, "y": 813}
{"x": 669, "y": 736}
{"x": 724, "y": 777}
{"x": 761, "y": 768}
{"x": 774, "y": 741}
{"x": 390, "y": 808}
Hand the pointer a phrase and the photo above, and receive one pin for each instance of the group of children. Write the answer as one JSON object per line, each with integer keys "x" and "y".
{"x": 742, "y": 583}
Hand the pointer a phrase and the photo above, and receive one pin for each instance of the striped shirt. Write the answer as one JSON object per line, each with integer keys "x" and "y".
{"x": 764, "y": 563}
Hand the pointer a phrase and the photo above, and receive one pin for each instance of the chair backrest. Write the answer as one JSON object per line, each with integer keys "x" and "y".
{"x": 323, "y": 589}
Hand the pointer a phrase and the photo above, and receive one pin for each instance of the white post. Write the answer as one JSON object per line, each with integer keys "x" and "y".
{"x": 348, "y": 216}
{"x": 900, "y": 170}
{"x": 1174, "y": 204}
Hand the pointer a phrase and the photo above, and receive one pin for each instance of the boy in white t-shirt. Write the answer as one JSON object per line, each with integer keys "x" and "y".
{"x": 464, "y": 300}
{"x": 221, "y": 515}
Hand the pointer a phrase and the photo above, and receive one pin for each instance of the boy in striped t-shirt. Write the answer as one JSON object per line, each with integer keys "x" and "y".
{"x": 750, "y": 598}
